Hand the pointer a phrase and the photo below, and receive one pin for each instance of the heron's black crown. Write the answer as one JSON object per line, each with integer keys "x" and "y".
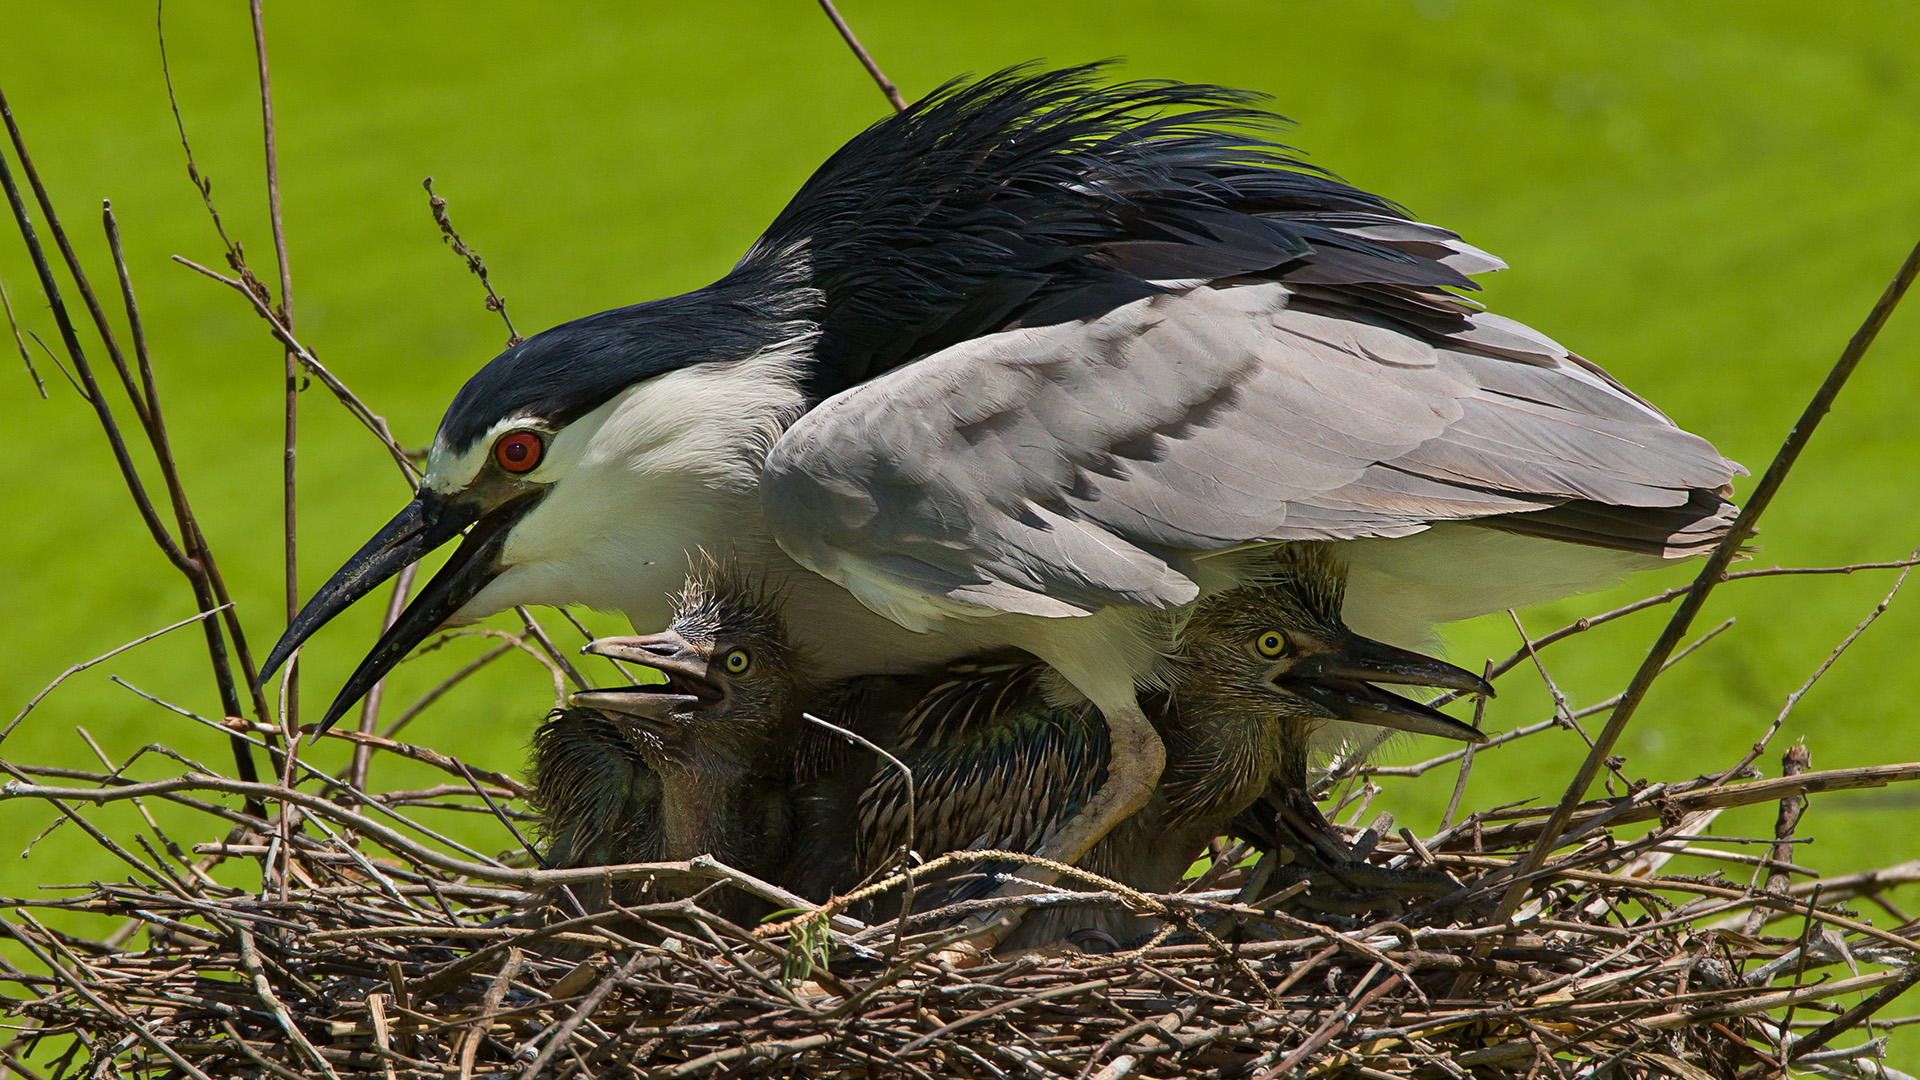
{"x": 1022, "y": 199}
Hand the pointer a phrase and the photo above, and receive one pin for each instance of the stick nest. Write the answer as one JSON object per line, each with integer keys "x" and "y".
{"x": 369, "y": 953}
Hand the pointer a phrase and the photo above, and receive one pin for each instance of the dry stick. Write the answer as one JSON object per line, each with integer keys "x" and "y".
{"x": 1794, "y": 762}
{"x": 489, "y": 1006}
{"x": 700, "y": 867}
{"x": 445, "y": 685}
{"x": 196, "y": 543}
{"x": 586, "y": 1009}
{"x": 1717, "y": 563}
{"x": 1850, "y": 1019}
{"x": 1515, "y": 734}
{"x": 250, "y": 959}
{"x": 1793, "y": 699}
{"x": 102, "y": 658}
{"x": 501, "y": 817}
{"x": 370, "y": 705}
{"x": 292, "y": 362}
{"x": 1562, "y": 710}
{"x": 475, "y": 265}
{"x": 1588, "y": 622}
{"x": 1466, "y": 759}
{"x": 539, "y": 634}
{"x": 369, "y": 419}
{"x": 846, "y": 34}
{"x": 912, "y": 846}
{"x": 137, "y": 1028}
{"x": 624, "y": 670}
{"x": 194, "y": 569}
{"x": 25, "y": 356}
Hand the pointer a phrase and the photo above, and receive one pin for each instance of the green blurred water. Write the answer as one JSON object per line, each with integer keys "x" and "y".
{"x": 1703, "y": 198}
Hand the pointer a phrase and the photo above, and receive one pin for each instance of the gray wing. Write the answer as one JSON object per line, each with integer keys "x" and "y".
{"x": 1060, "y": 469}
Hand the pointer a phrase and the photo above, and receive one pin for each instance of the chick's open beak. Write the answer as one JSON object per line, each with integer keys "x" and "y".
{"x": 682, "y": 663}
{"x": 1342, "y": 681}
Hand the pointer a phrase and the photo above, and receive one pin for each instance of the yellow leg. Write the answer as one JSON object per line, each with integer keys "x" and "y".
{"x": 1138, "y": 758}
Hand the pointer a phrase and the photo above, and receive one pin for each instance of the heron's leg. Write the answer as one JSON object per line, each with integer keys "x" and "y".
{"x": 1138, "y": 757}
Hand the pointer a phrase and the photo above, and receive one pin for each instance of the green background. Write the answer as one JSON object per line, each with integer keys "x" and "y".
{"x": 1703, "y": 198}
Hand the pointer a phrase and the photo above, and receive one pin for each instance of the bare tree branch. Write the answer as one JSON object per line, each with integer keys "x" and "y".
{"x": 1696, "y": 598}
{"x": 891, "y": 91}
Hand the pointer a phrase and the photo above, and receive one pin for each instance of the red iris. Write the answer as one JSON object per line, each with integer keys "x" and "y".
{"x": 518, "y": 451}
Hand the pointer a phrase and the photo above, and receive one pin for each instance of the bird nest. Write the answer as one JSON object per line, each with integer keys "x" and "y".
{"x": 370, "y": 950}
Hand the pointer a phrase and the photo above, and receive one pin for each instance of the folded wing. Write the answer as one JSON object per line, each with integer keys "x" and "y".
{"x": 1059, "y": 469}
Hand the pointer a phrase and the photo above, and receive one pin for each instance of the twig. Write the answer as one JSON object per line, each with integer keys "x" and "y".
{"x": 370, "y": 705}
{"x": 250, "y": 959}
{"x": 1466, "y": 759}
{"x": 1793, "y": 699}
{"x": 1737, "y": 534}
{"x": 25, "y": 356}
{"x": 1851, "y": 1018}
{"x": 891, "y": 91}
{"x": 539, "y": 634}
{"x": 580, "y": 1014}
{"x": 93, "y": 999}
{"x": 291, "y": 362}
{"x": 906, "y": 774}
{"x": 489, "y": 1006}
{"x": 102, "y": 658}
{"x": 1794, "y": 762}
{"x": 446, "y": 684}
{"x": 475, "y": 265}
{"x": 369, "y": 419}
{"x": 197, "y": 571}
{"x": 1588, "y": 622}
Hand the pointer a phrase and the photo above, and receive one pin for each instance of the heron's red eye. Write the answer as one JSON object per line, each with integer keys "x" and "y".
{"x": 518, "y": 451}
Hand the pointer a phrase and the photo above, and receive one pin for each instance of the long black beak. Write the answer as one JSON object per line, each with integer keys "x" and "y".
{"x": 1341, "y": 681}
{"x": 427, "y": 522}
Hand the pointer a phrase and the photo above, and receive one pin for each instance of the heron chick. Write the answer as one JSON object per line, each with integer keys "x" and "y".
{"x": 701, "y": 764}
{"x": 1258, "y": 671}
{"x": 998, "y": 765}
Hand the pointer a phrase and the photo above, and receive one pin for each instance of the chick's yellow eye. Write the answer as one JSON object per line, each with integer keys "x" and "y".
{"x": 1270, "y": 643}
{"x": 737, "y": 662}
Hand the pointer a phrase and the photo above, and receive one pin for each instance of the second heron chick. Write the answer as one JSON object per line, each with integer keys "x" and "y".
{"x": 700, "y": 764}
{"x": 1258, "y": 671}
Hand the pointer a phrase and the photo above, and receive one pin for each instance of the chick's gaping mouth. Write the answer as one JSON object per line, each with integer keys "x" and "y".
{"x": 652, "y": 701}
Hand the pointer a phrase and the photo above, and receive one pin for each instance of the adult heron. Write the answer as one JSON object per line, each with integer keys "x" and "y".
{"x": 1030, "y": 364}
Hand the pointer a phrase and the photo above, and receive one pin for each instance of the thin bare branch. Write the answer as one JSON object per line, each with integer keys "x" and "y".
{"x": 1737, "y": 534}
{"x": 102, "y": 658}
{"x": 292, "y": 390}
{"x": 475, "y": 265}
{"x": 1793, "y": 699}
{"x": 887, "y": 88}
{"x": 26, "y": 357}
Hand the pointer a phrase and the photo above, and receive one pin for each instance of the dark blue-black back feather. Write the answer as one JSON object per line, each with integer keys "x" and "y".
{"x": 1025, "y": 198}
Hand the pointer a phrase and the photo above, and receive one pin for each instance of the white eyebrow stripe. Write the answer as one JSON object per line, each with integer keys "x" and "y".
{"x": 448, "y": 472}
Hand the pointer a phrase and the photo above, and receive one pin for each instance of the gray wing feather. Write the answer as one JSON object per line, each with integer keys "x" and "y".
{"x": 1063, "y": 468}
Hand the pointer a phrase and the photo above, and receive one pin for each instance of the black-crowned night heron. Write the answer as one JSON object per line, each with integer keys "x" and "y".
{"x": 1257, "y": 671}
{"x": 1035, "y": 363}
{"x": 702, "y": 764}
